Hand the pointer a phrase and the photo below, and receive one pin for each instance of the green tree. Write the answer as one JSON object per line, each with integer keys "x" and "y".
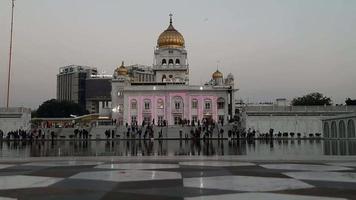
{"x": 312, "y": 99}
{"x": 350, "y": 102}
{"x": 53, "y": 108}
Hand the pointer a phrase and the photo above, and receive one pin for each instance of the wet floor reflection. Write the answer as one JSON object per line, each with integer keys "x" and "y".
{"x": 177, "y": 147}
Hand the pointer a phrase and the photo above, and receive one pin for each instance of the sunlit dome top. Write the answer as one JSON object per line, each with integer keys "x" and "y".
{"x": 217, "y": 75}
{"x": 122, "y": 70}
{"x": 170, "y": 38}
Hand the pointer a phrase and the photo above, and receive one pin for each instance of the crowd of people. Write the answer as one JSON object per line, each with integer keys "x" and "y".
{"x": 34, "y": 134}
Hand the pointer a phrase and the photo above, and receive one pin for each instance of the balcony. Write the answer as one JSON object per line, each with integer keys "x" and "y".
{"x": 146, "y": 111}
{"x": 207, "y": 111}
{"x": 178, "y": 111}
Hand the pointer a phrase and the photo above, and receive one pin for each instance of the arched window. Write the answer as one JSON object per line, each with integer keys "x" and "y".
{"x": 351, "y": 129}
{"x": 133, "y": 104}
{"x": 160, "y": 104}
{"x": 170, "y": 61}
{"x": 221, "y": 103}
{"x": 177, "y": 61}
{"x": 147, "y": 104}
{"x": 164, "y": 78}
{"x": 207, "y": 104}
{"x": 164, "y": 61}
{"x": 194, "y": 104}
{"x": 326, "y": 130}
{"x": 178, "y": 103}
{"x": 333, "y": 130}
{"x": 342, "y": 129}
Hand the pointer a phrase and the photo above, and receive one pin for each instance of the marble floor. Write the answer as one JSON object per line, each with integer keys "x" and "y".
{"x": 177, "y": 179}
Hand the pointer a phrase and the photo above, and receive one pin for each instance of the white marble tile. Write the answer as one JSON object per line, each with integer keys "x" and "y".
{"x": 63, "y": 163}
{"x": 137, "y": 166}
{"x": 22, "y": 181}
{"x": 6, "y": 198}
{"x": 216, "y": 163}
{"x": 127, "y": 175}
{"x": 261, "y": 196}
{"x": 3, "y": 166}
{"x": 346, "y": 164}
{"x": 305, "y": 167}
{"x": 324, "y": 176}
{"x": 245, "y": 183}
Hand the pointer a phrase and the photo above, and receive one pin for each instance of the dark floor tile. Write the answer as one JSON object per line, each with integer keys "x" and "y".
{"x": 332, "y": 184}
{"x": 179, "y": 191}
{"x": 148, "y": 184}
{"x": 51, "y": 193}
{"x": 64, "y": 172}
{"x": 324, "y": 192}
{"x": 133, "y": 196}
{"x": 85, "y": 185}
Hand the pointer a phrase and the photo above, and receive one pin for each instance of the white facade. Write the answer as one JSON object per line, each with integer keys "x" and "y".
{"x": 296, "y": 124}
{"x": 12, "y": 119}
{"x": 171, "y": 65}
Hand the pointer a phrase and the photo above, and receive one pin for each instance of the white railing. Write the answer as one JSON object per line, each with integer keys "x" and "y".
{"x": 15, "y": 110}
{"x": 274, "y": 108}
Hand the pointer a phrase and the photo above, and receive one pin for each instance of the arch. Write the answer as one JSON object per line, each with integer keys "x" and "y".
{"x": 342, "y": 129}
{"x": 221, "y": 103}
{"x": 194, "y": 103}
{"x": 178, "y": 103}
{"x": 147, "y": 104}
{"x": 208, "y": 104}
{"x": 333, "y": 130}
{"x": 351, "y": 129}
{"x": 164, "y": 78}
{"x": 133, "y": 104}
{"x": 160, "y": 103}
{"x": 170, "y": 61}
{"x": 326, "y": 130}
{"x": 164, "y": 61}
{"x": 177, "y": 61}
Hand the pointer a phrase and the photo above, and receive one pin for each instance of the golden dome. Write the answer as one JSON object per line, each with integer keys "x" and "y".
{"x": 122, "y": 70}
{"x": 217, "y": 75}
{"x": 170, "y": 38}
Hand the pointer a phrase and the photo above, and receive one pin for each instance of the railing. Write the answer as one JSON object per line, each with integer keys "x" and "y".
{"x": 177, "y": 111}
{"x": 15, "y": 110}
{"x": 207, "y": 111}
{"x": 146, "y": 111}
{"x": 274, "y": 108}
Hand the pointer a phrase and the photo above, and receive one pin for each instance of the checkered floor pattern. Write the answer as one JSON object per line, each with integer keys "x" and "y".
{"x": 190, "y": 180}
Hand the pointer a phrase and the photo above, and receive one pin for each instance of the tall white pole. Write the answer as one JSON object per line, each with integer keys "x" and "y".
{"x": 10, "y": 53}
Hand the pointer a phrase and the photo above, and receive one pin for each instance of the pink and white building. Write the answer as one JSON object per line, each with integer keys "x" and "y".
{"x": 167, "y": 95}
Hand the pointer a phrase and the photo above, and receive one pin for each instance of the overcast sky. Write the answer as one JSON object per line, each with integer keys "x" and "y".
{"x": 274, "y": 48}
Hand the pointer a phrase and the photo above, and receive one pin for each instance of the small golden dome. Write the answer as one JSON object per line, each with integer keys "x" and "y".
{"x": 170, "y": 38}
{"x": 217, "y": 75}
{"x": 122, "y": 70}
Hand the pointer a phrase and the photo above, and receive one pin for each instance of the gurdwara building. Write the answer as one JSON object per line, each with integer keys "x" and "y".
{"x": 162, "y": 93}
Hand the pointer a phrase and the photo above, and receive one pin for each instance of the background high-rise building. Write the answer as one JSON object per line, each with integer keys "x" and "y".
{"x": 71, "y": 83}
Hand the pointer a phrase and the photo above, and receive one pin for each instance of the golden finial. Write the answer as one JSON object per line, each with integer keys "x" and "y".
{"x": 170, "y": 18}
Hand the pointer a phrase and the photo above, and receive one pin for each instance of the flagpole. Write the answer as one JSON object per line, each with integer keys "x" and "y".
{"x": 10, "y": 54}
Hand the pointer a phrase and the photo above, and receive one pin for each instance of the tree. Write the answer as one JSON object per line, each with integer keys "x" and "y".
{"x": 54, "y": 108}
{"x": 312, "y": 99}
{"x": 350, "y": 102}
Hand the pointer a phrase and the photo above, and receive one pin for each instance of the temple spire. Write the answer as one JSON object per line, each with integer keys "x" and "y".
{"x": 170, "y": 19}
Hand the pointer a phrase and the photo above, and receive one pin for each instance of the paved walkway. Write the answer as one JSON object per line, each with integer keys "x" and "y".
{"x": 176, "y": 178}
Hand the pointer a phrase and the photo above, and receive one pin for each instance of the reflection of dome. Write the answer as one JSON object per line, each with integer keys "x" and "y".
{"x": 170, "y": 38}
{"x": 217, "y": 75}
{"x": 122, "y": 70}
